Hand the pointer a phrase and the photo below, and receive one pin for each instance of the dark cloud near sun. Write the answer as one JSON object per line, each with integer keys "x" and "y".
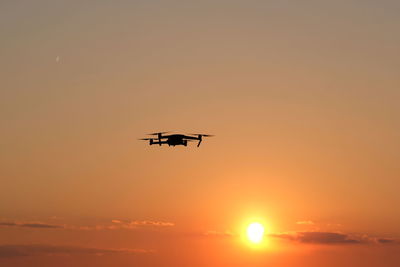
{"x": 326, "y": 238}
{"x": 318, "y": 238}
{"x": 332, "y": 238}
{"x": 387, "y": 241}
{"x": 10, "y": 251}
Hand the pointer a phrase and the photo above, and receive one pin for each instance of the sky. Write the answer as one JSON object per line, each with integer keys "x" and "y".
{"x": 302, "y": 97}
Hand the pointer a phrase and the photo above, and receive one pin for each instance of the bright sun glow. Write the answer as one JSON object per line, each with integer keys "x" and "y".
{"x": 255, "y": 232}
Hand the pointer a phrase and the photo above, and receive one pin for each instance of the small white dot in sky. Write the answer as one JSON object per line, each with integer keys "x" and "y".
{"x": 58, "y": 59}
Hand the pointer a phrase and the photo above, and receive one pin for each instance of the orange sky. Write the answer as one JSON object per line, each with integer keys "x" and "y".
{"x": 302, "y": 98}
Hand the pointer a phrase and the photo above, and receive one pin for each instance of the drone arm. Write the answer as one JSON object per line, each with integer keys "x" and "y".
{"x": 158, "y": 142}
{"x": 190, "y": 137}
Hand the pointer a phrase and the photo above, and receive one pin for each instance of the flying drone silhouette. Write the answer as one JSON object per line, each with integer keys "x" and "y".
{"x": 175, "y": 139}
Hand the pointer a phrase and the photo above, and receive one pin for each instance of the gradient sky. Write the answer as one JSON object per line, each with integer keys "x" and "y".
{"x": 303, "y": 97}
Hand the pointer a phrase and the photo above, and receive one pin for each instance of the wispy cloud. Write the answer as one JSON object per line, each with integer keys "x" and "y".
{"x": 8, "y": 224}
{"x": 152, "y": 223}
{"x": 39, "y": 249}
{"x": 40, "y": 225}
{"x": 326, "y": 238}
{"x": 387, "y": 241}
{"x": 331, "y": 238}
{"x": 134, "y": 224}
{"x": 318, "y": 237}
{"x": 30, "y": 225}
{"x": 113, "y": 225}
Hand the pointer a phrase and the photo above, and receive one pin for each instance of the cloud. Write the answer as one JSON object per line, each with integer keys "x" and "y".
{"x": 40, "y": 225}
{"x": 8, "y": 224}
{"x": 123, "y": 224}
{"x": 305, "y": 222}
{"x": 387, "y": 241}
{"x": 115, "y": 225}
{"x": 7, "y": 251}
{"x": 333, "y": 238}
{"x": 134, "y": 224}
{"x": 326, "y": 238}
{"x": 152, "y": 223}
{"x": 30, "y": 225}
{"x": 321, "y": 238}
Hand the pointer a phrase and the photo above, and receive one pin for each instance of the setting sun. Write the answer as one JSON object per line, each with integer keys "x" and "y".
{"x": 255, "y": 232}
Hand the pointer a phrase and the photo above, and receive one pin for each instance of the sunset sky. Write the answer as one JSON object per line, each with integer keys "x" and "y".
{"x": 302, "y": 97}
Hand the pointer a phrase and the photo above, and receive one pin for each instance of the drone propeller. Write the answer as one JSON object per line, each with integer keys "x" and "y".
{"x": 159, "y": 136}
{"x": 203, "y": 135}
{"x": 145, "y": 139}
{"x": 157, "y": 133}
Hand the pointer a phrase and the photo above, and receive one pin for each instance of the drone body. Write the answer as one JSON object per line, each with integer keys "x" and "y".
{"x": 175, "y": 139}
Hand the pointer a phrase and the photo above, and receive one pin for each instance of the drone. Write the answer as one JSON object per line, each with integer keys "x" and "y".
{"x": 175, "y": 139}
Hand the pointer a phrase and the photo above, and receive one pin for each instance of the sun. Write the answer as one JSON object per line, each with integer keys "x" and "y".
{"x": 255, "y": 232}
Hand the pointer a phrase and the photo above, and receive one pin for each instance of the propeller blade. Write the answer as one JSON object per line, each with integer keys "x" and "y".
{"x": 199, "y": 143}
{"x": 145, "y": 138}
{"x": 205, "y": 135}
{"x": 157, "y": 133}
